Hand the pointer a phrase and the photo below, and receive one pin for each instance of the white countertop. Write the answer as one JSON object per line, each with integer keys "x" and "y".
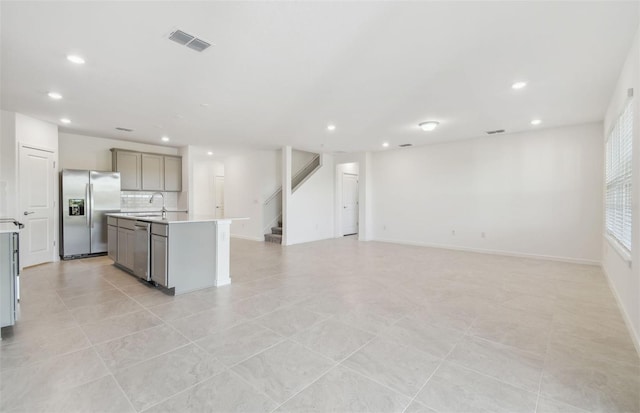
{"x": 172, "y": 217}
{"x": 8, "y": 228}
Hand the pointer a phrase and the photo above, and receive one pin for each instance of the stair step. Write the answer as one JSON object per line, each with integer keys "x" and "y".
{"x": 274, "y": 238}
{"x": 276, "y": 230}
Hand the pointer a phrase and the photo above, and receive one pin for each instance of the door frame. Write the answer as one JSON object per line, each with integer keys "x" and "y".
{"x": 357, "y": 214}
{"x": 55, "y": 214}
{"x": 216, "y": 180}
{"x": 339, "y": 171}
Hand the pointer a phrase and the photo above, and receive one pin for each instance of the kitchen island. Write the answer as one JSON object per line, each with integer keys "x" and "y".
{"x": 179, "y": 252}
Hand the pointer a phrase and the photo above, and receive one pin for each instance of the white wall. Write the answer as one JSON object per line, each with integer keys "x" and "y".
{"x": 88, "y": 152}
{"x": 8, "y": 165}
{"x": 249, "y": 180}
{"x": 310, "y": 210}
{"x": 203, "y": 187}
{"x": 365, "y": 207}
{"x": 19, "y": 130}
{"x": 623, "y": 277}
{"x": 536, "y": 193}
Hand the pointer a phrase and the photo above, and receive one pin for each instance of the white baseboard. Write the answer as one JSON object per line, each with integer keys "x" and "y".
{"x": 247, "y": 237}
{"x": 492, "y": 252}
{"x": 635, "y": 336}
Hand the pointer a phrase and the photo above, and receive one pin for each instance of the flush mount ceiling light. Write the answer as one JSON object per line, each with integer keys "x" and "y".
{"x": 429, "y": 125}
{"x": 331, "y": 127}
{"x": 518, "y": 85}
{"x": 209, "y": 153}
{"x": 54, "y": 95}
{"x": 65, "y": 120}
{"x": 536, "y": 122}
{"x": 385, "y": 144}
{"x": 75, "y": 59}
{"x": 165, "y": 139}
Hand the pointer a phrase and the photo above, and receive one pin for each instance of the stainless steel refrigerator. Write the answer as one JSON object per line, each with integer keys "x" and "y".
{"x": 86, "y": 197}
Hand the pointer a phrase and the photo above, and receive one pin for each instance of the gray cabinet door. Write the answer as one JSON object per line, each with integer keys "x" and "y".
{"x": 129, "y": 164}
{"x": 159, "y": 260}
{"x": 8, "y": 273}
{"x": 152, "y": 172}
{"x": 172, "y": 173}
{"x": 112, "y": 242}
{"x": 126, "y": 247}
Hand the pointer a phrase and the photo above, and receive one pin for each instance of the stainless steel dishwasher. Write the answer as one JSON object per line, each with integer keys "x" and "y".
{"x": 141, "y": 253}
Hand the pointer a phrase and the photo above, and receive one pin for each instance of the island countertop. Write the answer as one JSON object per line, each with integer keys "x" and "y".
{"x": 171, "y": 218}
{"x": 8, "y": 228}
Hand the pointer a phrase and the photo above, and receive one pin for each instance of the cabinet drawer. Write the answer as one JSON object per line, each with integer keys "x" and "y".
{"x": 112, "y": 221}
{"x": 126, "y": 223}
{"x": 160, "y": 229}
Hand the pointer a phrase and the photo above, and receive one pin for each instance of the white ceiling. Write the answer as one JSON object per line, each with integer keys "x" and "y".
{"x": 281, "y": 71}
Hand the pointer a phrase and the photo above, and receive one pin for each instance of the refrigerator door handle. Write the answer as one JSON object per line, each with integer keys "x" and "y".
{"x": 87, "y": 195}
{"x": 91, "y": 204}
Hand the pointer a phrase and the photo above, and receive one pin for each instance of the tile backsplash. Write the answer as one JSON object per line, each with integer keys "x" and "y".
{"x": 139, "y": 201}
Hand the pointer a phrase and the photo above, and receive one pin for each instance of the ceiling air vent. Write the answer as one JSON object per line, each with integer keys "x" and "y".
{"x": 181, "y": 37}
{"x": 188, "y": 40}
{"x": 493, "y": 132}
{"x": 124, "y": 129}
{"x": 198, "y": 45}
{"x": 405, "y": 145}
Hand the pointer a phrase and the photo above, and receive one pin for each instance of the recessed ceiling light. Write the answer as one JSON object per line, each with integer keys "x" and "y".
{"x": 75, "y": 59}
{"x": 331, "y": 127}
{"x": 519, "y": 85}
{"x": 385, "y": 144}
{"x": 429, "y": 125}
{"x": 65, "y": 120}
{"x": 54, "y": 95}
{"x": 209, "y": 153}
{"x": 165, "y": 139}
{"x": 536, "y": 122}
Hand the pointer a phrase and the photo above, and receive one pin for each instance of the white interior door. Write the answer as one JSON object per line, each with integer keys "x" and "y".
{"x": 37, "y": 204}
{"x": 349, "y": 204}
{"x": 219, "y": 184}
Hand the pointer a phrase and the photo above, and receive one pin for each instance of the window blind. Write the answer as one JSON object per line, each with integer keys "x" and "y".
{"x": 618, "y": 214}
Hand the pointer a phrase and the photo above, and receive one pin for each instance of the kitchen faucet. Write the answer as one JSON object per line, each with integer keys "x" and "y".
{"x": 164, "y": 210}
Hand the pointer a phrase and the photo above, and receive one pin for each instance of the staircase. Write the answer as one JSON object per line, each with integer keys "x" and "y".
{"x": 276, "y": 234}
{"x": 272, "y": 207}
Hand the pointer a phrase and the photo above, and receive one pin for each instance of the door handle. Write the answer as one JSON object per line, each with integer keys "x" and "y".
{"x": 29, "y": 213}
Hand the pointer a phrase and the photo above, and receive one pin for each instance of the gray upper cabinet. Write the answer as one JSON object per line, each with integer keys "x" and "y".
{"x": 172, "y": 173}
{"x": 152, "y": 172}
{"x": 147, "y": 171}
{"x": 129, "y": 164}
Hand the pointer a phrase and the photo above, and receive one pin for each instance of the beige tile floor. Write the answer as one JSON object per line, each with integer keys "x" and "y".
{"x": 331, "y": 326}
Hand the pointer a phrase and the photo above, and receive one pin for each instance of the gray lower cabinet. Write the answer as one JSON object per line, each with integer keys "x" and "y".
{"x": 159, "y": 257}
{"x": 8, "y": 276}
{"x": 126, "y": 247}
{"x": 112, "y": 242}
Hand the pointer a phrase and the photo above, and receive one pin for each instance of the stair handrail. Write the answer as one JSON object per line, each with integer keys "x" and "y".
{"x": 279, "y": 189}
{"x": 306, "y": 171}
